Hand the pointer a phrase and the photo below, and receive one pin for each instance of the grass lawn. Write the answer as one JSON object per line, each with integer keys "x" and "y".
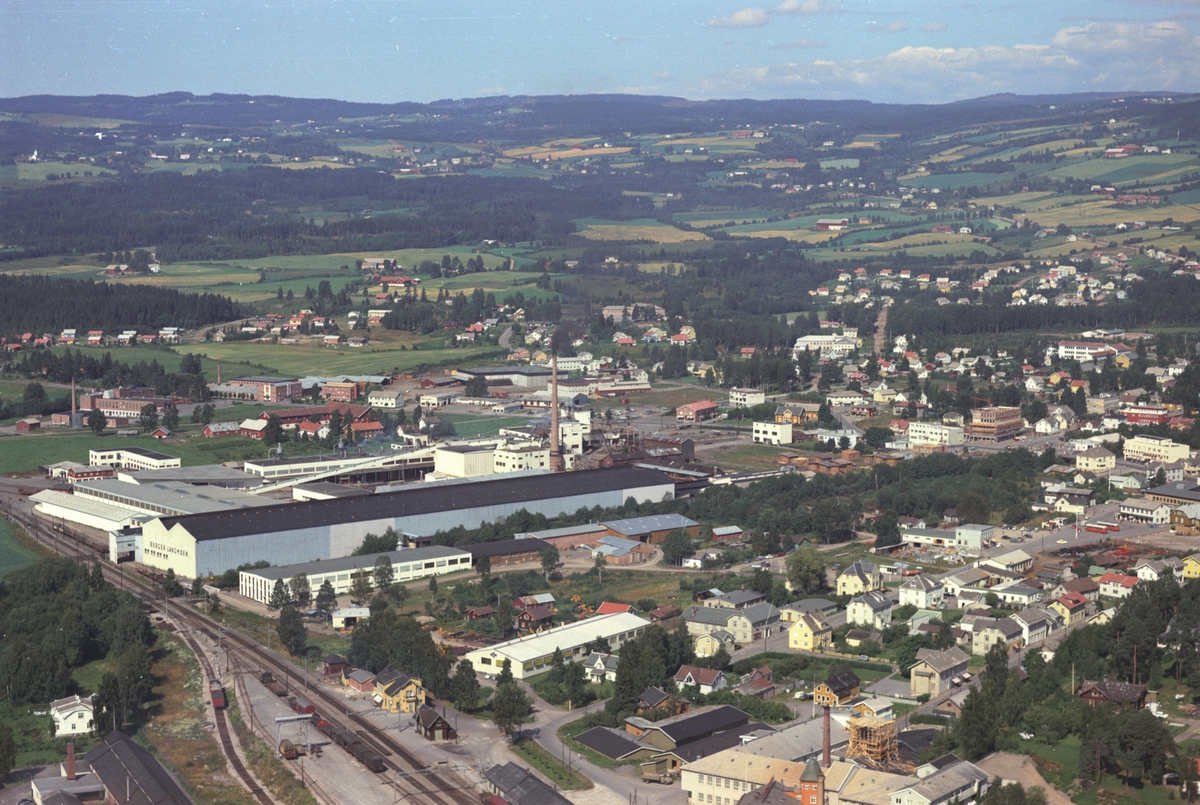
{"x": 749, "y": 457}
{"x": 24, "y": 454}
{"x": 13, "y": 555}
{"x": 387, "y": 352}
{"x": 472, "y": 427}
{"x": 543, "y": 761}
{"x": 1058, "y": 764}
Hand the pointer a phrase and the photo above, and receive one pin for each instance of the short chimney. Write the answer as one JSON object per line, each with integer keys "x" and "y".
{"x": 71, "y": 761}
{"x": 825, "y": 753}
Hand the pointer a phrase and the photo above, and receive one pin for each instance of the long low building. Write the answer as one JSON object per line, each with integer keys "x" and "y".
{"x": 532, "y": 655}
{"x": 407, "y": 565}
{"x": 204, "y": 544}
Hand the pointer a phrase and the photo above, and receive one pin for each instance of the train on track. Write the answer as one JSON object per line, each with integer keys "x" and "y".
{"x": 218, "y": 694}
{"x": 349, "y": 741}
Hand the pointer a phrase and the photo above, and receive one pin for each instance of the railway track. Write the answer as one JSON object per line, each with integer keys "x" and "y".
{"x": 442, "y": 787}
{"x": 431, "y": 786}
{"x": 235, "y": 760}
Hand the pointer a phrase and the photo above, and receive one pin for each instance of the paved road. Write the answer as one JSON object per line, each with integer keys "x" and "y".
{"x": 505, "y": 336}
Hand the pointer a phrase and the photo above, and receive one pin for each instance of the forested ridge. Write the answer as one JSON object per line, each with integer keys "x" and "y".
{"x": 38, "y": 304}
{"x": 246, "y": 213}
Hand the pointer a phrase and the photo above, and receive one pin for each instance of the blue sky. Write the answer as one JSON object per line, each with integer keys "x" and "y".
{"x": 422, "y": 50}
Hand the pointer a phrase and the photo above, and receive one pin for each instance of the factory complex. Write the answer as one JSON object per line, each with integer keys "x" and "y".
{"x": 209, "y": 543}
{"x": 531, "y": 655}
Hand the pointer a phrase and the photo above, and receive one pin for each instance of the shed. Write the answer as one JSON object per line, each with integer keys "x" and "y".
{"x": 433, "y": 725}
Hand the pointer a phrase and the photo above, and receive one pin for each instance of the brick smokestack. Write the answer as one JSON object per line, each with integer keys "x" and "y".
{"x": 826, "y": 760}
{"x": 218, "y": 373}
{"x": 72, "y": 401}
{"x": 556, "y": 458}
{"x": 71, "y": 761}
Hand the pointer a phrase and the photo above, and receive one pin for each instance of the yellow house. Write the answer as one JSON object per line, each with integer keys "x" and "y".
{"x": 1191, "y": 567}
{"x": 1072, "y": 607}
{"x": 709, "y": 644}
{"x": 810, "y": 632}
{"x": 860, "y": 577}
{"x": 1123, "y": 360}
{"x": 397, "y": 692}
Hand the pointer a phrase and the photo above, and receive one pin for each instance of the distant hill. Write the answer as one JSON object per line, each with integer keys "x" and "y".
{"x": 606, "y": 112}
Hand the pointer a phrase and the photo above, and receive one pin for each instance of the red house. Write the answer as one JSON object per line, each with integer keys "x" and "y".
{"x": 27, "y": 425}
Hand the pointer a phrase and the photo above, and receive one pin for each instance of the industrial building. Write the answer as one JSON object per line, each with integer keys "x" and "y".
{"x": 995, "y": 424}
{"x": 526, "y": 377}
{"x": 110, "y": 505}
{"x": 532, "y": 655}
{"x": 198, "y": 475}
{"x": 133, "y": 458}
{"x": 323, "y": 529}
{"x": 408, "y": 564}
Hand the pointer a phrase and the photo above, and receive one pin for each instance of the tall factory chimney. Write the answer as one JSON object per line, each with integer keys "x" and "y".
{"x": 218, "y": 373}
{"x": 73, "y": 401}
{"x": 826, "y": 759}
{"x": 556, "y": 457}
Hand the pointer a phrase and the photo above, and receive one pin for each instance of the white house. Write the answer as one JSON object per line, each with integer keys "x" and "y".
{"x": 775, "y": 433}
{"x": 922, "y": 592}
{"x": 873, "y": 610}
{"x": 72, "y": 715}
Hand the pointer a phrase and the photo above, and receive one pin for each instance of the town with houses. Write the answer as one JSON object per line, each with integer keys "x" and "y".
{"x": 862, "y": 470}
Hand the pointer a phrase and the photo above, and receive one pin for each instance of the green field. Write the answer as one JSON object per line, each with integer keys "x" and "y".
{"x": 24, "y": 454}
{"x": 12, "y": 556}
{"x": 299, "y": 360}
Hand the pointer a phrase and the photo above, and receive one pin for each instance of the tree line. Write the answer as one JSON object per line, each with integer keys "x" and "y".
{"x": 39, "y": 304}
{"x": 57, "y": 616}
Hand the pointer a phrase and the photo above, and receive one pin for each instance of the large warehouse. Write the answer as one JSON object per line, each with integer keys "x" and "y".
{"x": 407, "y": 565}
{"x": 529, "y": 656}
{"x": 211, "y": 543}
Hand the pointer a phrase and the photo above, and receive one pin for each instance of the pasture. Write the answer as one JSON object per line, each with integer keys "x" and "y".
{"x": 13, "y": 556}
{"x": 638, "y": 229}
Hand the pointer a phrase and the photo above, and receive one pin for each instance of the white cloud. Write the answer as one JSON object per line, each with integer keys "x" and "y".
{"x": 805, "y": 7}
{"x": 746, "y": 18}
{"x": 801, "y": 44}
{"x": 1118, "y": 56}
{"x": 755, "y": 17}
{"x": 934, "y": 27}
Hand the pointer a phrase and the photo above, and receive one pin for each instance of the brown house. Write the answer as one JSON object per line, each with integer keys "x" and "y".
{"x": 334, "y": 664}
{"x": 533, "y": 617}
{"x": 478, "y": 613}
{"x": 433, "y": 726}
{"x": 1111, "y": 691}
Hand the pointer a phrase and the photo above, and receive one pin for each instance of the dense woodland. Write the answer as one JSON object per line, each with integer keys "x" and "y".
{"x": 57, "y": 616}
{"x": 38, "y": 304}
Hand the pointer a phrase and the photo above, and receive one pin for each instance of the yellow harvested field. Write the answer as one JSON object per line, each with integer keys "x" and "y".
{"x": 74, "y": 120}
{"x": 1023, "y": 200}
{"x": 914, "y": 175}
{"x": 805, "y": 235}
{"x": 1054, "y": 146}
{"x": 951, "y": 154}
{"x": 536, "y": 152}
{"x": 774, "y": 164}
{"x": 655, "y": 233}
{"x": 1107, "y": 212}
{"x": 299, "y": 166}
{"x": 747, "y": 142}
{"x": 863, "y": 144}
{"x": 920, "y": 239}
